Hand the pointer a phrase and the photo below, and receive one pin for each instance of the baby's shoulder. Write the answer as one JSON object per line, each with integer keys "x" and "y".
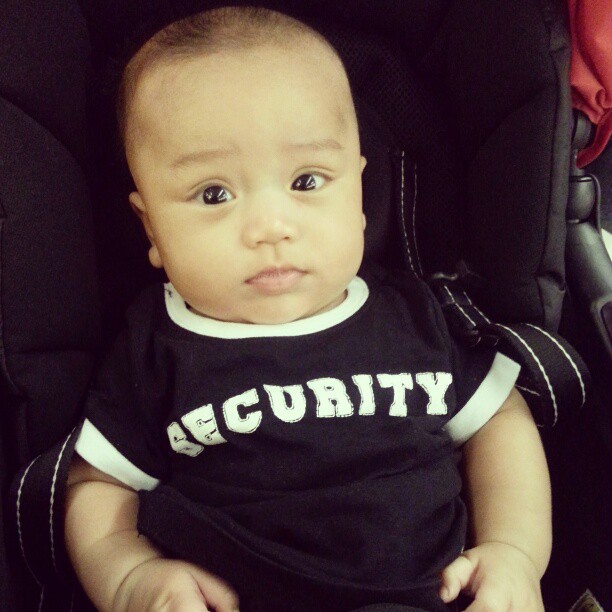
{"x": 398, "y": 285}
{"x": 146, "y": 313}
{"x": 147, "y": 303}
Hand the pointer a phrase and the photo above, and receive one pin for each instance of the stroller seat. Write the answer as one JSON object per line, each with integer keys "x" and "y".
{"x": 466, "y": 123}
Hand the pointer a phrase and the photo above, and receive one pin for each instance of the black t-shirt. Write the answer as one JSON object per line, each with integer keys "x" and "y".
{"x": 331, "y": 436}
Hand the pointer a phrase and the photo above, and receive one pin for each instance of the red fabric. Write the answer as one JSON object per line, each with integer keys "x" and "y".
{"x": 591, "y": 68}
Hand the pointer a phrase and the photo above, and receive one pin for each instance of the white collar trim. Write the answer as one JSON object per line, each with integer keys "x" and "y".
{"x": 357, "y": 294}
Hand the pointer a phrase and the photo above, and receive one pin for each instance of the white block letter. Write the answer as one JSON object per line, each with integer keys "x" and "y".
{"x": 202, "y": 424}
{"x": 291, "y": 412}
{"x": 435, "y": 385}
{"x": 180, "y": 443}
{"x": 332, "y": 399}
{"x": 399, "y": 383}
{"x": 250, "y": 422}
{"x": 364, "y": 384}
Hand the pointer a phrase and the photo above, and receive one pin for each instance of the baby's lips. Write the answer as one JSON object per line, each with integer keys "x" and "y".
{"x": 276, "y": 279}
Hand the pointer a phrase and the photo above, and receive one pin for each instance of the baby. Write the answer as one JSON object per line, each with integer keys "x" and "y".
{"x": 290, "y": 424}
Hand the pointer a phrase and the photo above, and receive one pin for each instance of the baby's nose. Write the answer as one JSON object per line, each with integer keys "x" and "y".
{"x": 270, "y": 219}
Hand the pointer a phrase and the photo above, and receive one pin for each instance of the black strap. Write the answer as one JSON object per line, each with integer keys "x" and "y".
{"x": 37, "y": 500}
{"x": 554, "y": 379}
{"x": 258, "y": 567}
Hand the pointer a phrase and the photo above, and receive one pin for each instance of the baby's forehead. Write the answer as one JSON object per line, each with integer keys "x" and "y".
{"x": 321, "y": 58}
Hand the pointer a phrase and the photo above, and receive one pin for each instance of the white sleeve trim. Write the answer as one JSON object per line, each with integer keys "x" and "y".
{"x": 99, "y": 452}
{"x": 486, "y": 401}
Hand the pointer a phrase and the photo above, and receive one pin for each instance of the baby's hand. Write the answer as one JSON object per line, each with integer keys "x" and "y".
{"x": 170, "y": 585}
{"x": 498, "y": 576}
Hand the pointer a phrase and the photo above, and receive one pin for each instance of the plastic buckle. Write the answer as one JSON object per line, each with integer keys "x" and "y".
{"x": 463, "y": 275}
{"x": 449, "y": 289}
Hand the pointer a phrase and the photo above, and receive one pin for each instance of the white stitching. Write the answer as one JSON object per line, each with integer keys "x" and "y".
{"x": 539, "y": 364}
{"x": 19, "y": 530}
{"x": 42, "y": 599}
{"x": 531, "y": 391}
{"x": 465, "y": 314}
{"x": 51, "y": 529}
{"x": 414, "y": 238}
{"x": 406, "y": 241}
{"x": 573, "y": 364}
{"x": 487, "y": 320}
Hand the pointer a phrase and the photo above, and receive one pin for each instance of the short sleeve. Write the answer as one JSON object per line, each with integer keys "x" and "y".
{"x": 122, "y": 431}
{"x": 484, "y": 379}
{"x": 481, "y": 378}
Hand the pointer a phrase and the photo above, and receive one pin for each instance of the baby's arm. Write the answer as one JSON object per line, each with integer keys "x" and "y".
{"x": 508, "y": 492}
{"x": 119, "y": 569}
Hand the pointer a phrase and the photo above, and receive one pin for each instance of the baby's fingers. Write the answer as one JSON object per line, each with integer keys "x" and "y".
{"x": 455, "y": 577}
{"x": 188, "y": 600}
{"x": 219, "y": 594}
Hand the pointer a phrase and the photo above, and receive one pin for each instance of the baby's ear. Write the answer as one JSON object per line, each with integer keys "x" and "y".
{"x": 138, "y": 206}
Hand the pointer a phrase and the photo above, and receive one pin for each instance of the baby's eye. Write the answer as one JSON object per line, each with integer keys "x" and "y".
{"x": 307, "y": 182}
{"x": 215, "y": 194}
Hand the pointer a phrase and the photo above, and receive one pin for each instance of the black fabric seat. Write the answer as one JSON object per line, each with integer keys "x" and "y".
{"x": 465, "y": 120}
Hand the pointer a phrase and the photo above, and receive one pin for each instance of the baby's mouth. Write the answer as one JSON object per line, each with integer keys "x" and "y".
{"x": 276, "y": 280}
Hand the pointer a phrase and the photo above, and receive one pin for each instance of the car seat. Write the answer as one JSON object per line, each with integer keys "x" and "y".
{"x": 466, "y": 122}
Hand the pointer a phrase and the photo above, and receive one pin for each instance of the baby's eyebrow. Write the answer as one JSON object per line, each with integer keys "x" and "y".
{"x": 202, "y": 156}
{"x": 325, "y": 144}
{"x": 205, "y": 155}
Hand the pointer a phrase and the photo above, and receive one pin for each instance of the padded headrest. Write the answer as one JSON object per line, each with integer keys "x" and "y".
{"x": 48, "y": 279}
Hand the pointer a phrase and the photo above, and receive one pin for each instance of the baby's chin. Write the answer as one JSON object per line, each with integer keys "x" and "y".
{"x": 280, "y": 316}
{"x": 275, "y": 312}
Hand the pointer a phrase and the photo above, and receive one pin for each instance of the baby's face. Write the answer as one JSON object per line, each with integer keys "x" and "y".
{"x": 248, "y": 171}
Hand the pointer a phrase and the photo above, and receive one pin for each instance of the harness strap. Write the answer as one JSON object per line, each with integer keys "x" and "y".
{"x": 554, "y": 379}
{"x": 37, "y": 499}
